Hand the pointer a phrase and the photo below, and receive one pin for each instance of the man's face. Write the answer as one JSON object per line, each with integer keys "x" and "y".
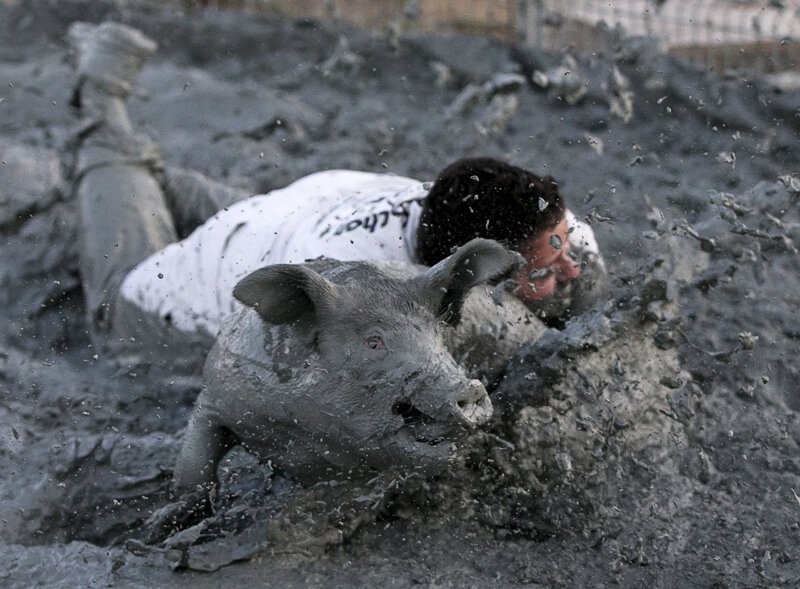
{"x": 548, "y": 264}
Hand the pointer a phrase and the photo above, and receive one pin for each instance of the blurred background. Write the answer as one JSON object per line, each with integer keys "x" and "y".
{"x": 752, "y": 35}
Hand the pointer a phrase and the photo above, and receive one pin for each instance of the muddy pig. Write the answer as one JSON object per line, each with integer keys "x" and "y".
{"x": 335, "y": 370}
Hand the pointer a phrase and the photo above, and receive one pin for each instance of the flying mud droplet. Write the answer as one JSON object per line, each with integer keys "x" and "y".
{"x": 543, "y": 204}
{"x": 541, "y": 79}
{"x": 507, "y": 285}
{"x": 747, "y": 391}
{"x": 792, "y": 182}
{"x": 747, "y": 339}
{"x": 597, "y": 144}
{"x": 727, "y": 157}
{"x": 555, "y": 241}
{"x": 160, "y": 275}
{"x": 474, "y": 178}
{"x": 427, "y": 185}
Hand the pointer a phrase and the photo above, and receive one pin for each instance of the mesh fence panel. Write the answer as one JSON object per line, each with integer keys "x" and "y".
{"x": 760, "y": 35}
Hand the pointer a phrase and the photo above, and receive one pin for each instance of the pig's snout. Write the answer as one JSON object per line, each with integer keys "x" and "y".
{"x": 472, "y": 406}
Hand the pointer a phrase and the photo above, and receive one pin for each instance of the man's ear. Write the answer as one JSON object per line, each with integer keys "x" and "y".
{"x": 285, "y": 293}
{"x": 447, "y": 283}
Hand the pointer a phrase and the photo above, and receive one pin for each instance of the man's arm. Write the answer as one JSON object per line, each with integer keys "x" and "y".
{"x": 194, "y": 198}
{"x": 573, "y": 297}
{"x": 591, "y": 283}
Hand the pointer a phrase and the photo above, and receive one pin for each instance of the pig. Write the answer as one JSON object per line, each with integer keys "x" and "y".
{"x": 346, "y": 377}
{"x": 339, "y": 370}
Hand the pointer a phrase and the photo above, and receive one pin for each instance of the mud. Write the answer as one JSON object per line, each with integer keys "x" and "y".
{"x": 654, "y": 442}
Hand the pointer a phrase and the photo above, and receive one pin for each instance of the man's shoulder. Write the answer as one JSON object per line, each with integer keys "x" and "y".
{"x": 349, "y": 180}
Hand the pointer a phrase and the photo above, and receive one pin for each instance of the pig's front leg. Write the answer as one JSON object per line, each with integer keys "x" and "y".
{"x": 204, "y": 444}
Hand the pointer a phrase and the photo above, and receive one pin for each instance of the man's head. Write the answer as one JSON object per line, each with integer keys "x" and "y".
{"x": 484, "y": 197}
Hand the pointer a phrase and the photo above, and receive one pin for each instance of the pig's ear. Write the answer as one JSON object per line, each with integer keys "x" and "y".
{"x": 476, "y": 262}
{"x": 285, "y": 293}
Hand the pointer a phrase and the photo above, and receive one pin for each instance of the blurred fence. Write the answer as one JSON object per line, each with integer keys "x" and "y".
{"x": 760, "y": 35}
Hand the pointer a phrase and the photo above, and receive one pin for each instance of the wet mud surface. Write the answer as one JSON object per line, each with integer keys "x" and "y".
{"x": 652, "y": 442}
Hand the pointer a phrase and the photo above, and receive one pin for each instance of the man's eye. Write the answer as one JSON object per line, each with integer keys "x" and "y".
{"x": 540, "y": 273}
{"x": 375, "y": 342}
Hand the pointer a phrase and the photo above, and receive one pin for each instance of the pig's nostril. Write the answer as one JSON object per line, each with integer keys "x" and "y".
{"x": 407, "y": 411}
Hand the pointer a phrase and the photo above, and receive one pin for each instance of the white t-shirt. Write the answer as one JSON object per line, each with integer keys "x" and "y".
{"x": 338, "y": 214}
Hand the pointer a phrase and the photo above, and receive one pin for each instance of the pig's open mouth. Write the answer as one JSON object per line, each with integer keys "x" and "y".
{"x": 423, "y": 428}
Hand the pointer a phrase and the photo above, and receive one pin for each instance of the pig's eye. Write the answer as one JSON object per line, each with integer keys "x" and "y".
{"x": 375, "y": 342}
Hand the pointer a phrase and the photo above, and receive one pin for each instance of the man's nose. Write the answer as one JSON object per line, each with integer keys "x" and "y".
{"x": 566, "y": 268}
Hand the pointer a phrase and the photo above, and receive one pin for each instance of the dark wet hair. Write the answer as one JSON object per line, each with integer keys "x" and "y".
{"x": 485, "y": 197}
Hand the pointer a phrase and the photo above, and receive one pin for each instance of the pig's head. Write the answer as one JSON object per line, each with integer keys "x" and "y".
{"x": 386, "y": 391}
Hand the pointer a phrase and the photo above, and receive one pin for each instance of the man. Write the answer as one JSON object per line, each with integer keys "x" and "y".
{"x": 350, "y": 215}
{"x": 138, "y": 277}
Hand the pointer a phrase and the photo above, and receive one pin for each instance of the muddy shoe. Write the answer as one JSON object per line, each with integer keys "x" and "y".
{"x": 110, "y": 55}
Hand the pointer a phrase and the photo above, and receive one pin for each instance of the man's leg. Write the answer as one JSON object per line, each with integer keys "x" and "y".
{"x": 123, "y": 214}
